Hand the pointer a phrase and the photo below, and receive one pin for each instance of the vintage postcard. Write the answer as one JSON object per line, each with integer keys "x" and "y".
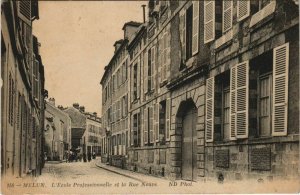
{"x": 153, "y": 96}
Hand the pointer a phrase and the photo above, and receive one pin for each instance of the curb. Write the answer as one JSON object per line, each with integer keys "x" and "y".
{"x": 129, "y": 176}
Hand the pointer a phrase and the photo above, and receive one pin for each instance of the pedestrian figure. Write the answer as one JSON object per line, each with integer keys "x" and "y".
{"x": 89, "y": 156}
{"x": 94, "y": 155}
{"x": 84, "y": 157}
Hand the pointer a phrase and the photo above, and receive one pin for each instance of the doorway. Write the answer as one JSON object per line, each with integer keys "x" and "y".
{"x": 189, "y": 143}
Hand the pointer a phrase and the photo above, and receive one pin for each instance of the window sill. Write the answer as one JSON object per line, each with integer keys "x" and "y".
{"x": 163, "y": 83}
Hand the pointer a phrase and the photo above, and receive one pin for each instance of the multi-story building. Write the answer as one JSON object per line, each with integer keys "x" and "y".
{"x": 115, "y": 100}
{"x": 93, "y": 134}
{"x": 22, "y": 92}
{"x": 57, "y": 132}
{"x": 213, "y": 90}
{"x": 78, "y": 124}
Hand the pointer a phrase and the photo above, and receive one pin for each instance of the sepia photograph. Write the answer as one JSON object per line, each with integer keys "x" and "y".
{"x": 149, "y": 97}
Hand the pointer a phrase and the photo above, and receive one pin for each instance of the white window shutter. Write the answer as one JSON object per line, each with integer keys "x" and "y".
{"x": 243, "y": 9}
{"x": 132, "y": 131}
{"x": 146, "y": 125}
{"x": 210, "y": 90}
{"x": 168, "y": 116}
{"x": 183, "y": 34}
{"x": 156, "y": 119}
{"x": 209, "y": 21}
{"x": 232, "y": 103}
{"x": 146, "y": 58}
{"x": 242, "y": 99}
{"x": 138, "y": 79}
{"x": 151, "y": 125}
{"x": 280, "y": 89}
{"x": 152, "y": 66}
{"x": 24, "y": 11}
{"x": 227, "y": 16}
{"x": 195, "y": 41}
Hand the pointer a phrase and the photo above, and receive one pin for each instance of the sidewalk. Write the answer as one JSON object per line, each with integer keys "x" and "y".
{"x": 130, "y": 174}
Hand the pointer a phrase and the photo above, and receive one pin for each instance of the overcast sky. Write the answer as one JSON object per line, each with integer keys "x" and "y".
{"x": 77, "y": 42}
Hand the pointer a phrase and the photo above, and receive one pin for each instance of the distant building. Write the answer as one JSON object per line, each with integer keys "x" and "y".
{"x": 78, "y": 124}
{"x": 22, "y": 91}
{"x": 57, "y": 132}
{"x": 92, "y": 137}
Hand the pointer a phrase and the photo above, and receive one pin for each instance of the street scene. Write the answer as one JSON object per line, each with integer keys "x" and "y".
{"x": 151, "y": 96}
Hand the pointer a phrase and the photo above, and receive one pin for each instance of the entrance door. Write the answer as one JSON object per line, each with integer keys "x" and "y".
{"x": 189, "y": 145}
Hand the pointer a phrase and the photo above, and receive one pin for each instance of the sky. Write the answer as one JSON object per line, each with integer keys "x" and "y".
{"x": 77, "y": 43}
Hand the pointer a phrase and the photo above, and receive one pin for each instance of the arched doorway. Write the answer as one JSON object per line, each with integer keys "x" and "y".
{"x": 187, "y": 115}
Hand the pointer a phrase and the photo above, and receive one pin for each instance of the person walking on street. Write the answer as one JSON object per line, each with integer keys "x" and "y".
{"x": 89, "y": 156}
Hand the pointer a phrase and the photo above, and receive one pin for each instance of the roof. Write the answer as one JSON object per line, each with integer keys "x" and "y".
{"x": 131, "y": 23}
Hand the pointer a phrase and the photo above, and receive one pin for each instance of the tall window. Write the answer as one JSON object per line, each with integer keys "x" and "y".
{"x": 150, "y": 60}
{"x": 265, "y": 91}
{"x": 135, "y": 82}
{"x": 162, "y": 122}
{"x": 136, "y": 131}
{"x": 226, "y": 113}
{"x": 189, "y": 31}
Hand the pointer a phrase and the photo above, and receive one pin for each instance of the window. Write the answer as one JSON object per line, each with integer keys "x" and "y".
{"x": 151, "y": 62}
{"x": 136, "y": 131}
{"x": 189, "y": 31}
{"x": 222, "y": 107}
{"x": 189, "y": 34}
{"x": 265, "y": 90}
{"x": 135, "y": 82}
{"x": 11, "y": 103}
{"x": 162, "y": 122}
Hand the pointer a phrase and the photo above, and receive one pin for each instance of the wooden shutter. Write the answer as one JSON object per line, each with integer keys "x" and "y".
{"x": 183, "y": 34}
{"x": 138, "y": 75}
{"x": 242, "y": 88}
{"x": 280, "y": 89}
{"x": 227, "y": 16}
{"x": 243, "y": 9}
{"x": 232, "y": 103}
{"x": 209, "y": 21}
{"x": 132, "y": 131}
{"x": 168, "y": 116}
{"x": 146, "y": 125}
{"x": 24, "y": 11}
{"x": 156, "y": 121}
{"x": 151, "y": 124}
{"x": 152, "y": 66}
{"x": 210, "y": 90}
{"x": 146, "y": 65}
{"x": 195, "y": 41}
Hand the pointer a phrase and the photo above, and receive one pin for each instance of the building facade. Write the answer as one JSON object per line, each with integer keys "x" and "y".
{"x": 115, "y": 101}
{"x": 57, "y": 132}
{"x": 22, "y": 91}
{"x": 78, "y": 125}
{"x": 93, "y": 134}
{"x": 213, "y": 90}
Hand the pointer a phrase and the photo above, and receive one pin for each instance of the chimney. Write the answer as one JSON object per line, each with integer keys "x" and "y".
{"x": 60, "y": 107}
{"x": 52, "y": 101}
{"x": 95, "y": 114}
{"x": 81, "y": 108}
{"x": 118, "y": 44}
{"x": 76, "y": 105}
{"x": 144, "y": 16}
{"x": 130, "y": 28}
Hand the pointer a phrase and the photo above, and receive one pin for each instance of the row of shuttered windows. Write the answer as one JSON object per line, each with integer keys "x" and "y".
{"x": 153, "y": 126}
{"x": 238, "y": 98}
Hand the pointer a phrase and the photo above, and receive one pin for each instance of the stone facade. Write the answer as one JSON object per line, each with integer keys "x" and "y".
{"x": 22, "y": 92}
{"x": 57, "y": 132}
{"x": 207, "y": 97}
